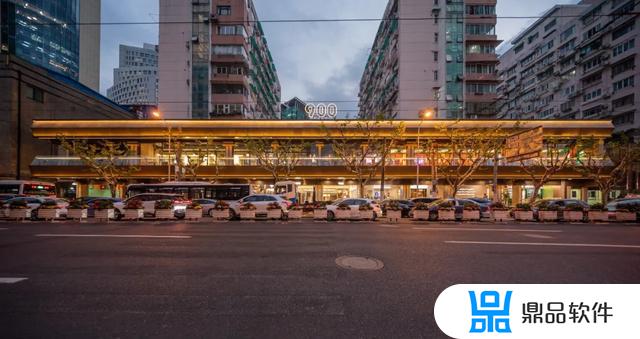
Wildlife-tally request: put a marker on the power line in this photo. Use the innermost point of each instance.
(123, 23)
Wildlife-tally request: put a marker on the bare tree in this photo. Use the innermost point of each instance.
(462, 151)
(278, 157)
(607, 164)
(555, 157)
(102, 157)
(190, 157)
(363, 146)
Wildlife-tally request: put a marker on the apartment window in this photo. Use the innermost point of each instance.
(481, 9)
(435, 75)
(481, 48)
(591, 32)
(626, 28)
(435, 2)
(591, 63)
(435, 37)
(624, 83)
(229, 89)
(626, 118)
(532, 38)
(435, 56)
(569, 90)
(623, 47)
(592, 79)
(593, 111)
(518, 48)
(624, 101)
(224, 10)
(480, 29)
(481, 88)
(592, 95)
(229, 50)
(230, 30)
(550, 25)
(34, 93)
(228, 109)
(481, 68)
(623, 66)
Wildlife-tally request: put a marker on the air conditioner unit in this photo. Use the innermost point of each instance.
(449, 58)
(449, 97)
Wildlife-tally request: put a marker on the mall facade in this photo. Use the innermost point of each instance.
(320, 175)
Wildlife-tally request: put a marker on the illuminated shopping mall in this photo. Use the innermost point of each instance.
(320, 174)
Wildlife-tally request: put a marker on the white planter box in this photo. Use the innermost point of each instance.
(343, 214)
(470, 215)
(294, 214)
(164, 214)
(77, 214)
(573, 215)
(221, 214)
(319, 214)
(366, 215)
(548, 215)
(49, 214)
(274, 214)
(134, 214)
(446, 215)
(626, 216)
(523, 215)
(247, 215)
(103, 214)
(193, 214)
(394, 216)
(20, 213)
(420, 215)
(598, 215)
(501, 215)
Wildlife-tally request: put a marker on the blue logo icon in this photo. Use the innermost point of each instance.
(491, 316)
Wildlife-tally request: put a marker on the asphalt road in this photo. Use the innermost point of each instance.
(275, 280)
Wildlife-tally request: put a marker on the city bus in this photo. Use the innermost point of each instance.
(194, 190)
(288, 190)
(27, 188)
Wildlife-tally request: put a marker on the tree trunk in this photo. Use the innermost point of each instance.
(360, 188)
(534, 196)
(454, 191)
(605, 195)
(112, 189)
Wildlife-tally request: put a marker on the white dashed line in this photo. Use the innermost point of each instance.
(11, 280)
(115, 236)
(389, 226)
(541, 244)
(3, 229)
(484, 229)
(538, 236)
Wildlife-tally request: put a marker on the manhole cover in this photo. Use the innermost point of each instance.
(359, 263)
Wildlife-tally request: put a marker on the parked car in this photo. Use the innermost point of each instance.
(260, 201)
(423, 200)
(559, 203)
(91, 200)
(458, 206)
(207, 206)
(149, 204)
(5, 197)
(33, 203)
(61, 204)
(484, 205)
(406, 207)
(625, 203)
(354, 204)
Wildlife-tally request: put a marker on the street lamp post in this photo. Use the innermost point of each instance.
(158, 116)
(425, 114)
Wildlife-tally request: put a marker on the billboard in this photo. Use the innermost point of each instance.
(524, 145)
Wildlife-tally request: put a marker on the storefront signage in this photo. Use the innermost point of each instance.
(524, 145)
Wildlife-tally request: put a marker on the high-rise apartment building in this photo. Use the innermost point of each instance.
(575, 62)
(47, 34)
(214, 62)
(135, 81)
(432, 54)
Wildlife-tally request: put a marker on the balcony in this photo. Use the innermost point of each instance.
(480, 19)
(237, 79)
(484, 77)
(481, 97)
(480, 37)
(230, 58)
(481, 57)
(229, 98)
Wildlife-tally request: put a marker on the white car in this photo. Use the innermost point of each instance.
(354, 204)
(261, 201)
(207, 206)
(149, 202)
(33, 203)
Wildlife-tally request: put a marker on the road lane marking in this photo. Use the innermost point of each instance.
(3, 229)
(115, 236)
(11, 280)
(389, 226)
(538, 236)
(484, 229)
(541, 244)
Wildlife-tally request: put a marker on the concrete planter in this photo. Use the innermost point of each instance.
(470, 215)
(274, 214)
(446, 215)
(524, 215)
(49, 214)
(77, 214)
(136, 214)
(221, 214)
(598, 215)
(343, 214)
(20, 214)
(501, 215)
(164, 214)
(420, 215)
(573, 215)
(247, 215)
(548, 215)
(294, 214)
(626, 216)
(319, 214)
(193, 214)
(104, 214)
(366, 215)
(394, 216)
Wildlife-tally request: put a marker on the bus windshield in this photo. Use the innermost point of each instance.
(204, 191)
